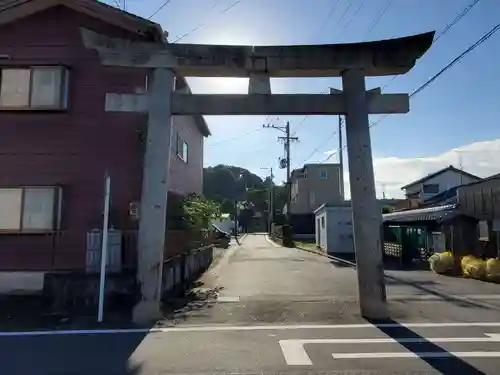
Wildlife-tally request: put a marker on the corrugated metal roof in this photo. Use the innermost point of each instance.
(436, 213)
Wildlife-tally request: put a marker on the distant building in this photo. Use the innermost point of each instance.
(314, 185)
(437, 182)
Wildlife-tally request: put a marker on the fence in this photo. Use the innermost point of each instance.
(181, 269)
(64, 250)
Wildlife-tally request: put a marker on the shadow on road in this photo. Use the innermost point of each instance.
(446, 364)
(196, 302)
(96, 354)
(420, 285)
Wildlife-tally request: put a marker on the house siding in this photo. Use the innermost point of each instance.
(445, 180)
(74, 148)
(187, 177)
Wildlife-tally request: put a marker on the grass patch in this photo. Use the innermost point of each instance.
(306, 245)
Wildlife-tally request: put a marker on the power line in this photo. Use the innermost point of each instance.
(480, 41)
(483, 39)
(444, 31)
(328, 16)
(300, 124)
(203, 24)
(457, 18)
(345, 12)
(378, 18)
(159, 9)
(234, 138)
(319, 147)
(353, 17)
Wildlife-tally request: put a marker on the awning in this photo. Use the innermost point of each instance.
(436, 213)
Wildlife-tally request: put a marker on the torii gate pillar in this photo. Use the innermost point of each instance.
(152, 222)
(365, 209)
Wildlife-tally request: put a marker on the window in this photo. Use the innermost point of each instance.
(431, 188)
(323, 175)
(182, 148)
(322, 221)
(34, 88)
(30, 209)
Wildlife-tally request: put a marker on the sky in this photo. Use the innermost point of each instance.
(455, 120)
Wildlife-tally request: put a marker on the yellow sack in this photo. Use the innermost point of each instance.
(447, 260)
(466, 260)
(476, 269)
(441, 263)
(493, 269)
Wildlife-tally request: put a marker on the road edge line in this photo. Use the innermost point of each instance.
(222, 328)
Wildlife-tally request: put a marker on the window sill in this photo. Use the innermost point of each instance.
(180, 157)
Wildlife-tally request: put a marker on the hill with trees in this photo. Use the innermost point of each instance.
(226, 184)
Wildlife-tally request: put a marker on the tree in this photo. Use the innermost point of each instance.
(227, 183)
(386, 209)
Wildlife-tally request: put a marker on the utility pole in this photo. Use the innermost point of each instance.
(341, 160)
(334, 91)
(459, 152)
(270, 205)
(285, 163)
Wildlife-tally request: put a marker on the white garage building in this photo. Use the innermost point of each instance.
(334, 231)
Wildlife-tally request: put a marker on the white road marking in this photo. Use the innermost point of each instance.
(296, 355)
(416, 355)
(228, 299)
(271, 241)
(226, 328)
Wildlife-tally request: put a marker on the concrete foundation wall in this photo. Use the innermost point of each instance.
(21, 283)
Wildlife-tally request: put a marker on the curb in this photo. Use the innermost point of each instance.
(339, 260)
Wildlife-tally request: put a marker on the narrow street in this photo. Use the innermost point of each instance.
(277, 310)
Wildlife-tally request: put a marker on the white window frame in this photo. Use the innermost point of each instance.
(63, 89)
(56, 215)
(181, 153)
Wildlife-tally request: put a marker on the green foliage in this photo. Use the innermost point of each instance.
(223, 184)
(386, 209)
(199, 212)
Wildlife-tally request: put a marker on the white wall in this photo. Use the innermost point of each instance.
(337, 235)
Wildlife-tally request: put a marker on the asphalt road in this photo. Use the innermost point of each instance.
(265, 309)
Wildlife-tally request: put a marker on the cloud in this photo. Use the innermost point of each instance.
(391, 173)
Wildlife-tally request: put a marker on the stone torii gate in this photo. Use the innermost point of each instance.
(353, 62)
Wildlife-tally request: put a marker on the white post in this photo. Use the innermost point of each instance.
(104, 246)
(367, 217)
